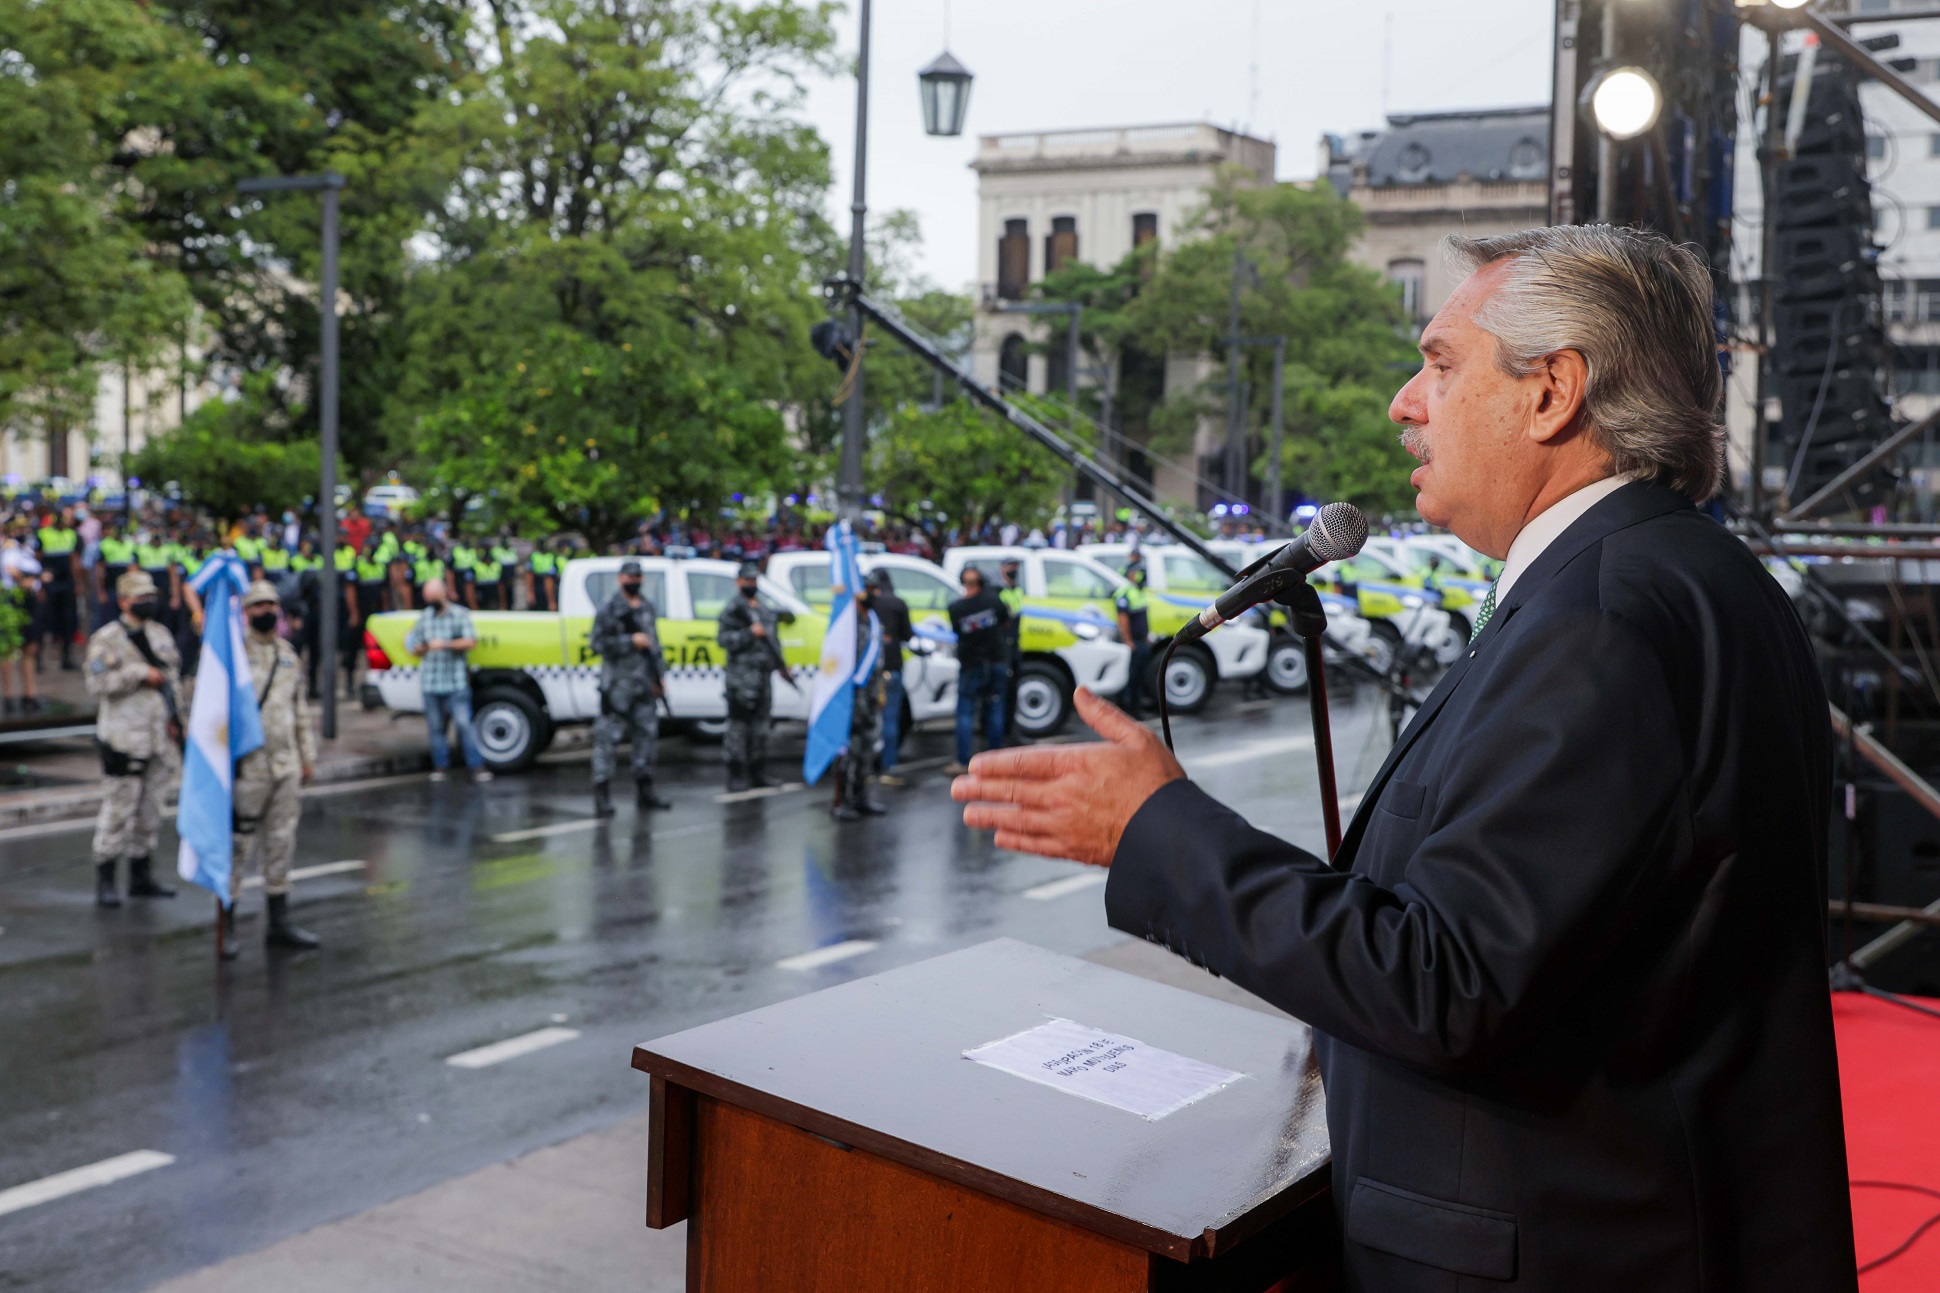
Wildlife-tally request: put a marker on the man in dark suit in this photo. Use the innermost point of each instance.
(1567, 972)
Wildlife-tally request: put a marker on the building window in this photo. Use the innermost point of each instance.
(1916, 370)
(1057, 365)
(1933, 217)
(1145, 228)
(1411, 276)
(1061, 244)
(1014, 364)
(1876, 147)
(1014, 260)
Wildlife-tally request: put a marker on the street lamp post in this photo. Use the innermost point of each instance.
(945, 88)
(848, 480)
(329, 184)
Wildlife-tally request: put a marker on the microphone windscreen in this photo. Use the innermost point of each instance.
(1338, 532)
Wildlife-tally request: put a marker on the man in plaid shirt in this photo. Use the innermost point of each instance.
(441, 639)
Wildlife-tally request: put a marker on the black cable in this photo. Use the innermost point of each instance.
(1898, 1000)
(1919, 1230)
(1165, 706)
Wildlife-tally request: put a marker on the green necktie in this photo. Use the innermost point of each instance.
(1482, 615)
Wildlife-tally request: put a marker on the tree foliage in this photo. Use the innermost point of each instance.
(77, 287)
(1346, 348)
(230, 456)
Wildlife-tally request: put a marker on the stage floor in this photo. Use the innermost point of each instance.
(1889, 1073)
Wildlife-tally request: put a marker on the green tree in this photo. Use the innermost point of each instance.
(230, 456)
(1346, 347)
(629, 173)
(962, 466)
(77, 287)
(582, 435)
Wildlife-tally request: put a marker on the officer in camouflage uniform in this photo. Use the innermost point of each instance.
(269, 780)
(630, 689)
(748, 634)
(865, 723)
(134, 671)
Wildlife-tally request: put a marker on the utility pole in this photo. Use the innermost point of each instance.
(329, 184)
(1275, 504)
(855, 427)
(1235, 423)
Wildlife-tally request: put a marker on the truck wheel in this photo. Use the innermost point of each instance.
(513, 731)
(708, 731)
(1043, 699)
(1286, 665)
(1189, 680)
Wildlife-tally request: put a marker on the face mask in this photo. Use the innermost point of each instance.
(749, 590)
(630, 587)
(143, 609)
(264, 623)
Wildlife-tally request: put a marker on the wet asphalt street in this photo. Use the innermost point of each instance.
(294, 1089)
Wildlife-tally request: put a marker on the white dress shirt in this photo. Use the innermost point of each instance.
(1547, 526)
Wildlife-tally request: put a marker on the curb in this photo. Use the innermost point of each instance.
(80, 804)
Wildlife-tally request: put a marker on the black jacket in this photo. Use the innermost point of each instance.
(1568, 970)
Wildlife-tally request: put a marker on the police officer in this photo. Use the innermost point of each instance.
(1012, 596)
(269, 780)
(133, 671)
(542, 573)
(865, 721)
(487, 575)
(507, 558)
(630, 689)
(748, 634)
(1135, 630)
(60, 560)
(117, 556)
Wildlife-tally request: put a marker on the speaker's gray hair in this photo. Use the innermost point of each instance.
(1638, 308)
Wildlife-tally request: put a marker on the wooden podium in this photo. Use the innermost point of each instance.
(842, 1142)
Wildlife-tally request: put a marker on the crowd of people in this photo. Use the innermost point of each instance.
(59, 562)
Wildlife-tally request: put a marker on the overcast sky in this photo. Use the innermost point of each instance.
(1066, 64)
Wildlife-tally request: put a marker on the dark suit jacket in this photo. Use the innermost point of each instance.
(1568, 970)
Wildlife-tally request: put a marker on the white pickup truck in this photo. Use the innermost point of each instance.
(535, 670)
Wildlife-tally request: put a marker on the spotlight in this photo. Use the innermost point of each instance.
(1625, 102)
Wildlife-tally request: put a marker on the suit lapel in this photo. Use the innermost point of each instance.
(1635, 502)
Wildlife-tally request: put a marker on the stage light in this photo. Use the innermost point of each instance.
(1626, 102)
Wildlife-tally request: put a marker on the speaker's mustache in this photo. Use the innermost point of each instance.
(1415, 441)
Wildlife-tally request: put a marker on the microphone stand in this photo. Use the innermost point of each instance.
(1309, 620)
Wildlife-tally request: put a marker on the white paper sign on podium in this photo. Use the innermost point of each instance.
(1105, 1067)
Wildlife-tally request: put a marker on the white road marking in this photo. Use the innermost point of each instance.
(62, 1184)
(511, 1048)
(829, 955)
(311, 872)
(759, 792)
(1250, 751)
(540, 832)
(1070, 884)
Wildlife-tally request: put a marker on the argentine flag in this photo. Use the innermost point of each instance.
(224, 725)
(833, 703)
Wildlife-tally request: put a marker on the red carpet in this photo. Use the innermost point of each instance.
(1889, 1073)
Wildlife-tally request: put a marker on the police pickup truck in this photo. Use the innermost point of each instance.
(1062, 649)
(533, 671)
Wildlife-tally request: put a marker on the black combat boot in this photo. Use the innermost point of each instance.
(602, 799)
(643, 796)
(280, 932)
(228, 946)
(758, 776)
(844, 813)
(866, 803)
(737, 776)
(105, 893)
(142, 884)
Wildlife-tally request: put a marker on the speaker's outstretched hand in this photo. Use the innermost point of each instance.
(1068, 801)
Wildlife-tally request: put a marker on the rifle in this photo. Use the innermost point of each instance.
(778, 663)
(656, 667)
(139, 640)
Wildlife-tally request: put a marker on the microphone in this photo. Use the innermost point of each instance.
(1338, 532)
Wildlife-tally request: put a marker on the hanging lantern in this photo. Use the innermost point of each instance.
(946, 95)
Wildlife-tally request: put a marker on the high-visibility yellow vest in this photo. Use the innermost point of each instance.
(56, 543)
(118, 552)
(275, 559)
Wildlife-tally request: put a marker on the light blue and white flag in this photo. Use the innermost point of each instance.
(224, 725)
(833, 704)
